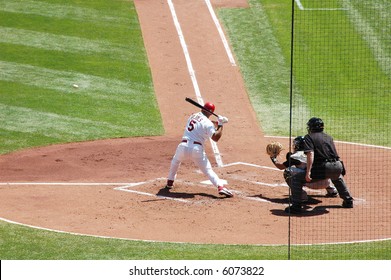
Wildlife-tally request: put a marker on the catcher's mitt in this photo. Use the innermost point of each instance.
(274, 149)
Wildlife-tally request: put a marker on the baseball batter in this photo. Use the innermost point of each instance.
(199, 129)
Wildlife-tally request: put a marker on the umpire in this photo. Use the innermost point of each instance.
(322, 162)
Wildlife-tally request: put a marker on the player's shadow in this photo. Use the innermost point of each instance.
(311, 200)
(307, 210)
(272, 199)
(328, 207)
(183, 195)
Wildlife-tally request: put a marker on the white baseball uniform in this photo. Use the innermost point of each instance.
(198, 129)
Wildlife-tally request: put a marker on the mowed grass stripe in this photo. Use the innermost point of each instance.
(52, 125)
(265, 70)
(61, 11)
(71, 44)
(335, 77)
(375, 42)
(63, 81)
(48, 46)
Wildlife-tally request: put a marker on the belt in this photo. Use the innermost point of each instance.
(195, 142)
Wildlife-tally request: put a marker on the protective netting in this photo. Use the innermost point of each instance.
(341, 73)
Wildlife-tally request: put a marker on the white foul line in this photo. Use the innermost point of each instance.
(342, 142)
(60, 184)
(126, 189)
(301, 7)
(251, 164)
(192, 74)
(221, 33)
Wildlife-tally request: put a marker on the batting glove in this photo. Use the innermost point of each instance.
(220, 121)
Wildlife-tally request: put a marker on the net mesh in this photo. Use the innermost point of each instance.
(341, 73)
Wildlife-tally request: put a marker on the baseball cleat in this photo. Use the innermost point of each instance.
(225, 191)
(169, 185)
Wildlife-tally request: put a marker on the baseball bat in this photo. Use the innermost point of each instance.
(195, 103)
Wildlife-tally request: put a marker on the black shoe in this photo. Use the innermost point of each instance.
(294, 209)
(347, 204)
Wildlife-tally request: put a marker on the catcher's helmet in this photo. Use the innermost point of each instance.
(298, 143)
(315, 125)
(209, 106)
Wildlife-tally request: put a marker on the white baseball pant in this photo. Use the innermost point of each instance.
(195, 152)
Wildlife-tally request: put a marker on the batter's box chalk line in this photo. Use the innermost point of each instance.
(128, 188)
(251, 165)
(207, 184)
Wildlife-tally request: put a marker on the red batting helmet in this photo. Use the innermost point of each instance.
(209, 106)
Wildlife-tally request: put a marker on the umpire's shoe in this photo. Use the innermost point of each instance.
(294, 209)
(347, 203)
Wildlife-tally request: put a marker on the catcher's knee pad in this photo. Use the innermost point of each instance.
(292, 171)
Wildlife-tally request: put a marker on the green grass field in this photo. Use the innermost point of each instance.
(344, 79)
(48, 46)
(20, 242)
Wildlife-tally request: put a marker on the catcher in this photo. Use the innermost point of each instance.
(298, 164)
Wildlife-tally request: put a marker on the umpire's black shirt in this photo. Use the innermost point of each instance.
(323, 147)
